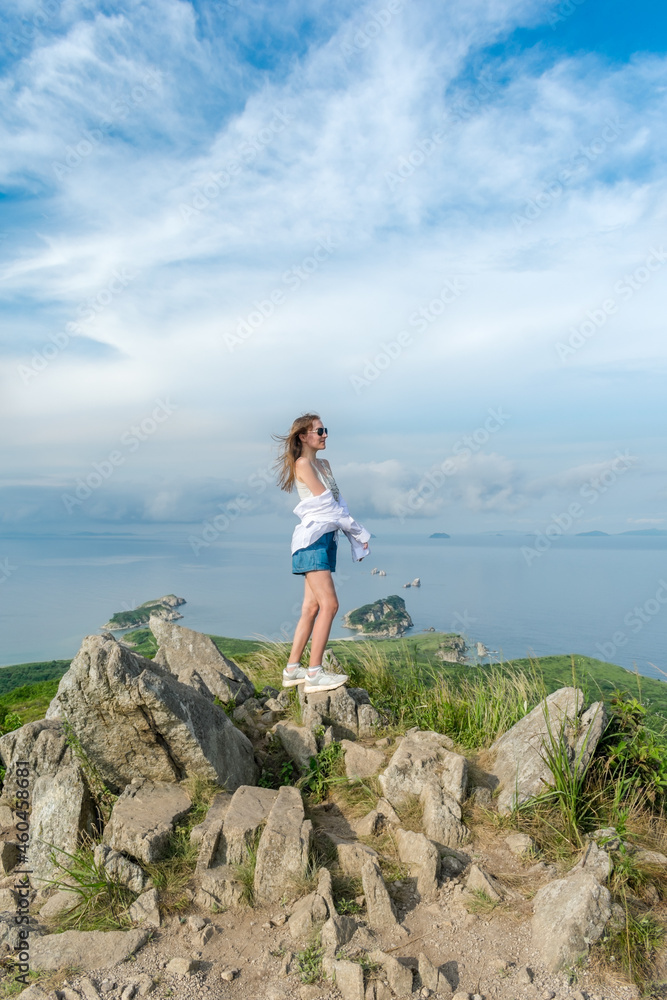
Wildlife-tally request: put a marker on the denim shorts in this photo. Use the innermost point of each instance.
(320, 555)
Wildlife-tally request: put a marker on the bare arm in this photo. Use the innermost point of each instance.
(306, 473)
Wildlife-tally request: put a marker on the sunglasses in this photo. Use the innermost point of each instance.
(320, 431)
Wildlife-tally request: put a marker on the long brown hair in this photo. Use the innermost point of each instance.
(291, 449)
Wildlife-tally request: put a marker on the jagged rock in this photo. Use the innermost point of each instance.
(520, 769)
(336, 933)
(299, 743)
(207, 833)
(360, 761)
(418, 758)
(348, 710)
(196, 660)
(520, 844)
(283, 847)
(63, 810)
(377, 990)
(275, 706)
(398, 976)
(431, 976)
(441, 818)
(481, 881)
(596, 861)
(569, 915)
(349, 978)
(43, 744)
(454, 775)
(121, 868)
(145, 909)
(309, 912)
(351, 854)
(134, 719)
(377, 820)
(85, 949)
(219, 888)
(592, 725)
(143, 817)
(247, 812)
(380, 910)
(416, 849)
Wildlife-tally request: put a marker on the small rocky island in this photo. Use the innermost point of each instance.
(162, 608)
(383, 618)
(439, 534)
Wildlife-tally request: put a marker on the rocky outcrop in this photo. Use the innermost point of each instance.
(381, 912)
(569, 915)
(520, 768)
(196, 660)
(134, 719)
(143, 818)
(421, 854)
(284, 846)
(347, 710)
(419, 758)
(298, 742)
(63, 809)
(360, 761)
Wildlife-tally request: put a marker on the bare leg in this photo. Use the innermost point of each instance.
(322, 587)
(304, 627)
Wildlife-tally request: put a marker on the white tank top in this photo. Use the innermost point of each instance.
(325, 478)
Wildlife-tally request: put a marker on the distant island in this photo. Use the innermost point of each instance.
(383, 618)
(439, 534)
(163, 608)
(589, 533)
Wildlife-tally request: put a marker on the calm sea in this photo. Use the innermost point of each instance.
(604, 597)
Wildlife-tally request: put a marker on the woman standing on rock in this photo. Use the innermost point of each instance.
(322, 512)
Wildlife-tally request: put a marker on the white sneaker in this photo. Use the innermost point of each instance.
(324, 682)
(293, 677)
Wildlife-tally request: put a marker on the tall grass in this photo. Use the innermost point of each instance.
(473, 710)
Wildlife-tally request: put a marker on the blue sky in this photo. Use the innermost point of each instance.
(218, 215)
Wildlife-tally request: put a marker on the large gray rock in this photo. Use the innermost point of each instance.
(248, 811)
(298, 742)
(569, 915)
(85, 949)
(196, 660)
(381, 913)
(120, 868)
(219, 888)
(348, 977)
(134, 719)
(352, 855)
(441, 819)
(309, 913)
(143, 818)
(284, 846)
(398, 976)
(419, 758)
(416, 850)
(360, 761)
(520, 769)
(63, 811)
(348, 710)
(207, 833)
(43, 744)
